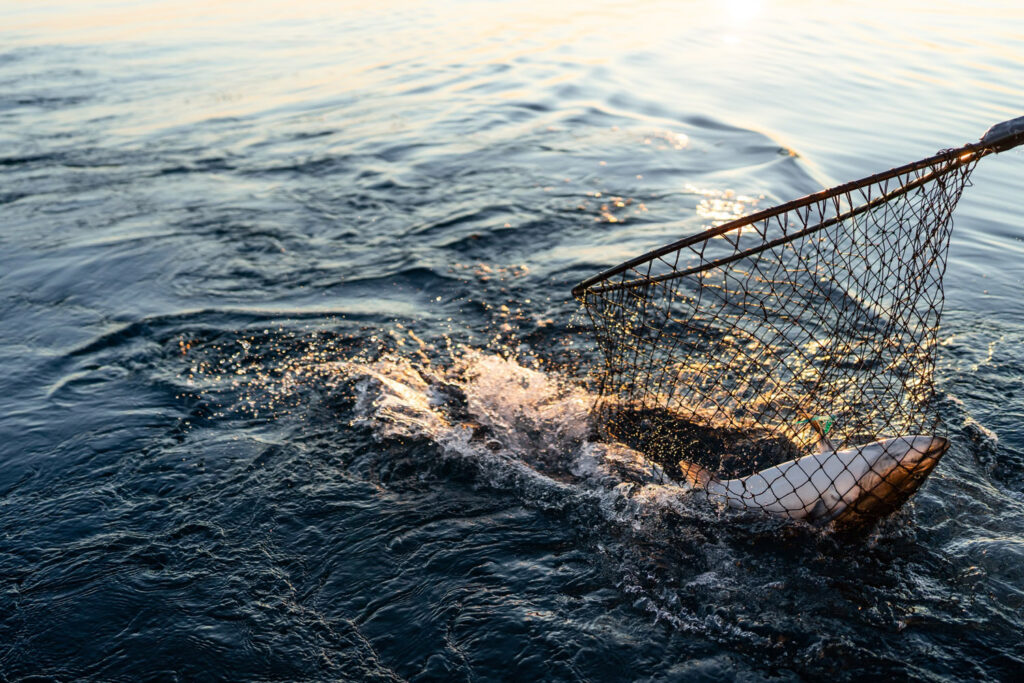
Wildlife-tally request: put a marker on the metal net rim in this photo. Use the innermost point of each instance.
(960, 156)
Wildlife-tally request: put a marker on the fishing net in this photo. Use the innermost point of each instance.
(806, 328)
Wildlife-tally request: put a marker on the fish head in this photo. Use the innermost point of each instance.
(909, 453)
(896, 469)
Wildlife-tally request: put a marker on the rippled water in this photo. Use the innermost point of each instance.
(291, 366)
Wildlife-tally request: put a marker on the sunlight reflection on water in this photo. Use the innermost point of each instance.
(206, 204)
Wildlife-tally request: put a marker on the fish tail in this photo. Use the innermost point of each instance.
(696, 476)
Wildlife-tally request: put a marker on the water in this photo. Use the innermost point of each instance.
(286, 323)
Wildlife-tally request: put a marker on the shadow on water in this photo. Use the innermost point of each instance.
(666, 439)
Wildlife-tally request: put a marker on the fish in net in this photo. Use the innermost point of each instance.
(783, 361)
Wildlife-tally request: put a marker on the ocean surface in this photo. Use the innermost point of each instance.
(252, 254)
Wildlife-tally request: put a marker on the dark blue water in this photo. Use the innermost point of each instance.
(291, 370)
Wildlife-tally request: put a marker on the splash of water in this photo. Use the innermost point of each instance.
(531, 433)
(516, 422)
(525, 431)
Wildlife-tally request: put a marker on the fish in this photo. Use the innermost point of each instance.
(845, 488)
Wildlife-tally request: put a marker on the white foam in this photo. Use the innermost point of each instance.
(511, 420)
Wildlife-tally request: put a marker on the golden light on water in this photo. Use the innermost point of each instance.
(298, 385)
(275, 54)
(721, 206)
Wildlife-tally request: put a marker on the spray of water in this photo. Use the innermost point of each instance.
(509, 419)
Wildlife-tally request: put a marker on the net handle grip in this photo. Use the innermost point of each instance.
(1005, 135)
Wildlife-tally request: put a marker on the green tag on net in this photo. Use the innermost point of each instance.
(826, 422)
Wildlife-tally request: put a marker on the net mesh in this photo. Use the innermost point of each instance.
(808, 330)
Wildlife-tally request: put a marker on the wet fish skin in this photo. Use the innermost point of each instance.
(845, 488)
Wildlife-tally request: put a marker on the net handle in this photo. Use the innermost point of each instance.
(998, 138)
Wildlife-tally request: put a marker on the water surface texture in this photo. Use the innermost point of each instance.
(294, 389)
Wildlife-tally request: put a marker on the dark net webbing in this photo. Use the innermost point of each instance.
(740, 347)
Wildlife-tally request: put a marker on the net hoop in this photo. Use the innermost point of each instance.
(792, 349)
(1008, 138)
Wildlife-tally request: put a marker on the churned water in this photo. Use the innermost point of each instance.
(292, 383)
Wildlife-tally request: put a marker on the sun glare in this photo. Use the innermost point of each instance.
(743, 10)
(739, 14)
